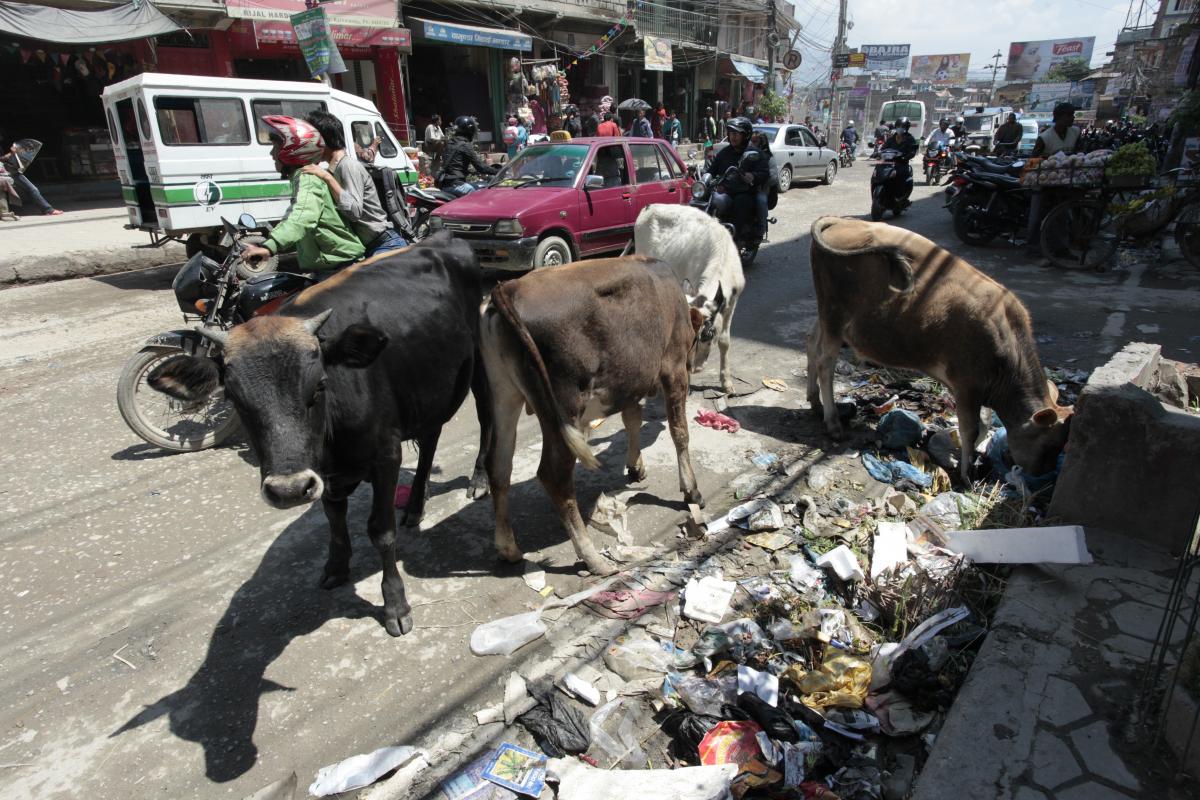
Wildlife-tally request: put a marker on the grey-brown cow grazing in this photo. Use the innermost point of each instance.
(578, 343)
(901, 301)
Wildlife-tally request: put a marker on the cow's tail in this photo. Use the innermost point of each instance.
(542, 393)
(897, 260)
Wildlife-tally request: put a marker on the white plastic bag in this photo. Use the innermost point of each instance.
(617, 738)
(501, 637)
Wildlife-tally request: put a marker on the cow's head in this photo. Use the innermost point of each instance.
(274, 372)
(707, 317)
(1035, 443)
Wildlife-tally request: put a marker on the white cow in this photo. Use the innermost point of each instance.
(705, 259)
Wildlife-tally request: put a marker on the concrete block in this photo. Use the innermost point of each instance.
(1131, 462)
(1178, 729)
(1169, 385)
(1092, 744)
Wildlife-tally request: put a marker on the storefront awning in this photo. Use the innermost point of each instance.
(60, 26)
(749, 70)
(471, 36)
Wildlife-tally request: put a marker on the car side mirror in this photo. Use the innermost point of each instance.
(593, 182)
(823, 142)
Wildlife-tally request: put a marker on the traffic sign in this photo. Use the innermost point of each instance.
(792, 59)
(841, 60)
(858, 59)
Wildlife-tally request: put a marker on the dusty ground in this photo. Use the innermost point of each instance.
(239, 669)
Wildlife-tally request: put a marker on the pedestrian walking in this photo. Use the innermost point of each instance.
(608, 127)
(15, 161)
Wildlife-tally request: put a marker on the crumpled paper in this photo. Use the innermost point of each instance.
(842, 682)
(361, 770)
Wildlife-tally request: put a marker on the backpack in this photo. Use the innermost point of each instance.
(392, 198)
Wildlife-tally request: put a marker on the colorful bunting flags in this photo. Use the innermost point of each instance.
(599, 44)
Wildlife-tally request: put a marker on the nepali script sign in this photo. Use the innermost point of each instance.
(316, 42)
(361, 13)
(886, 56)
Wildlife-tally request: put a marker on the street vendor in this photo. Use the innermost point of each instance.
(1062, 136)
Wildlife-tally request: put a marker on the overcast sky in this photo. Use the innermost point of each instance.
(980, 27)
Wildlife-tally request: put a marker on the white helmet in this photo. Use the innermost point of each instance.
(850, 124)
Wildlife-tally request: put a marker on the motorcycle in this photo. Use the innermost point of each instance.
(846, 155)
(704, 188)
(937, 161)
(885, 195)
(991, 204)
(219, 296)
(963, 164)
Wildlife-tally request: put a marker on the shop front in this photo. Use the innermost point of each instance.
(462, 70)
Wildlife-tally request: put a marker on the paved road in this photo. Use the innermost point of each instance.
(161, 629)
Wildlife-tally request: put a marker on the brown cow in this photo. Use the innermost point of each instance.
(575, 344)
(900, 300)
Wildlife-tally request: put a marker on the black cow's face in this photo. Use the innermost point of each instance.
(275, 375)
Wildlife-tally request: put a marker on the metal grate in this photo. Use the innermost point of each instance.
(674, 22)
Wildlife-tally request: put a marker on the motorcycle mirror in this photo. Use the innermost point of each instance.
(247, 221)
(751, 157)
(823, 143)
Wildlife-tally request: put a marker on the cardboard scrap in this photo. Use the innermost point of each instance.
(1064, 544)
(890, 547)
(770, 541)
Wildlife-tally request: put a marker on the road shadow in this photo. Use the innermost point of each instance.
(218, 707)
(149, 279)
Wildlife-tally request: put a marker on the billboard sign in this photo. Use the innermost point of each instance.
(657, 53)
(943, 70)
(1030, 61)
(1043, 97)
(316, 42)
(361, 13)
(886, 56)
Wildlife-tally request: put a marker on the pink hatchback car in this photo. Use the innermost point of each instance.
(556, 202)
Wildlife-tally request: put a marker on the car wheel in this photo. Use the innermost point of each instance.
(830, 173)
(553, 251)
(785, 179)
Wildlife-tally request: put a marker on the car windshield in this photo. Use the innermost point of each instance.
(769, 130)
(541, 164)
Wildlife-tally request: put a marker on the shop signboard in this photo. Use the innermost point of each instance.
(886, 57)
(858, 59)
(343, 35)
(841, 60)
(1030, 61)
(471, 36)
(361, 13)
(948, 69)
(657, 52)
(316, 42)
(1043, 97)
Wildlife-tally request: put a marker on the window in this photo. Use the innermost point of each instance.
(112, 128)
(201, 120)
(286, 108)
(793, 138)
(667, 165)
(362, 134)
(645, 163)
(143, 121)
(610, 164)
(546, 164)
(387, 148)
(809, 139)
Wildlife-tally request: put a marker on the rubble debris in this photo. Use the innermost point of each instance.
(362, 770)
(516, 698)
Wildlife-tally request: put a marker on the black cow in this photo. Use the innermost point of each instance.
(329, 387)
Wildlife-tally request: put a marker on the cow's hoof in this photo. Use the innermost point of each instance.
(478, 488)
(333, 578)
(513, 556)
(600, 566)
(694, 498)
(636, 474)
(398, 627)
(412, 517)
(815, 407)
(835, 431)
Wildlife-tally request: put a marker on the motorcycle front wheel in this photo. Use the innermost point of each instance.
(164, 421)
(968, 223)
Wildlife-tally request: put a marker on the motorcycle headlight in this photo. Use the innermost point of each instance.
(508, 227)
(699, 190)
(436, 223)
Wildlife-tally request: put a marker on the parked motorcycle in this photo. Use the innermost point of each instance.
(704, 189)
(218, 296)
(888, 191)
(991, 204)
(846, 155)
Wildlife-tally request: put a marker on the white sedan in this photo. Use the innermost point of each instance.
(798, 154)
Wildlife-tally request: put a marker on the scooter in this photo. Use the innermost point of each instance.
(888, 191)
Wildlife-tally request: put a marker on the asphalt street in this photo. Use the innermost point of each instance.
(162, 633)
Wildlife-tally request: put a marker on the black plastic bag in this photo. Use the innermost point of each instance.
(687, 730)
(775, 721)
(557, 726)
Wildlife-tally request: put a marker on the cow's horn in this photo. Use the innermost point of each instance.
(213, 334)
(313, 324)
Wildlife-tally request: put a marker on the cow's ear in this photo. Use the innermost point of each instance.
(187, 378)
(1045, 417)
(357, 346)
(697, 318)
(1053, 392)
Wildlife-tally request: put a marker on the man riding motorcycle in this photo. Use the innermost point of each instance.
(959, 129)
(460, 157)
(941, 136)
(903, 142)
(850, 137)
(737, 202)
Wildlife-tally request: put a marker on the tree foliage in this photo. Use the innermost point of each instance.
(772, 106)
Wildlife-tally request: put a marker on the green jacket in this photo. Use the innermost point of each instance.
(314, 228)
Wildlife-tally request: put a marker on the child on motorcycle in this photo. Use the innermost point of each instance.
(763, 199)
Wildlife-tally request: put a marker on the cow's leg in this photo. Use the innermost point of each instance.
(635, 468)
(335, 502)
(557, 474)
(426, 448)
(814, 386)
(824, 348)
(381, 526)
(675, 392)
(483, 410)
(507, 402)
(968, 408)
(723, 339)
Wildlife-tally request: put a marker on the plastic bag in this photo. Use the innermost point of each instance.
(614, 730)
(741, 637)
(705, 696)
(688, 730)
(777, 723)
(841, 681)
(636, 656)
(899, 429)
(505, 635)
(556, 725)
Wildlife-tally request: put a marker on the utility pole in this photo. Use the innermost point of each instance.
(995, 67)
(839, 47)
(772, 44)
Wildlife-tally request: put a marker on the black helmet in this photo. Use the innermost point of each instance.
(741, 125)
(904, 123)
(465, 127)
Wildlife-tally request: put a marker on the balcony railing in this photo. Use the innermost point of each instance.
(672, 21)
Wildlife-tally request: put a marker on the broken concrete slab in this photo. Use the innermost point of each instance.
(1131, 461)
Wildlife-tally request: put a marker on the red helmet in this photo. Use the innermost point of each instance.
(302, 144)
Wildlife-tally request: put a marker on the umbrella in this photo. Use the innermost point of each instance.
(633, 104)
